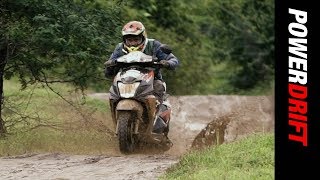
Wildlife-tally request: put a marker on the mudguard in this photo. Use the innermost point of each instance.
(129, 105)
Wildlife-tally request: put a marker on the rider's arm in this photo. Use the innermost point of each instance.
(172, 59)
(112, 70)
(117, 52)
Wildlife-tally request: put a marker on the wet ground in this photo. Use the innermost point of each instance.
(59, 166)
(197, 121)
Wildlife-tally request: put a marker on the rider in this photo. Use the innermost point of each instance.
(135, 39)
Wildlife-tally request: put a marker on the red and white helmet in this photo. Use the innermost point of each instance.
(134, 28)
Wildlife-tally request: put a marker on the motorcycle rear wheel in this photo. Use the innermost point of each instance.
(125, 132)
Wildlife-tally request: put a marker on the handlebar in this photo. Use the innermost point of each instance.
(152, 64)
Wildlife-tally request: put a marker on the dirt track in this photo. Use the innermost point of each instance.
(197, 121)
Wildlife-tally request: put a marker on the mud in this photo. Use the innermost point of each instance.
(59, 166)
(197, 122)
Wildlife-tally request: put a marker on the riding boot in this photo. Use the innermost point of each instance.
(161, 124)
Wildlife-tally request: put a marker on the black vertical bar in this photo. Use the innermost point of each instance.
(292, 159)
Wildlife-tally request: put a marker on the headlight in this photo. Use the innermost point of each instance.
(128, 90)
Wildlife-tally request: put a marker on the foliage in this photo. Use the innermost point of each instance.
(243, 32)
(56, 41)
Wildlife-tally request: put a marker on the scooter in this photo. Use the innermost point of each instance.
(138, 116)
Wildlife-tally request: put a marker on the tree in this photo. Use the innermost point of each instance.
(55, 41)
(243, 33)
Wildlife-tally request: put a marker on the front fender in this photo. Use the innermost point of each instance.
(129, 105)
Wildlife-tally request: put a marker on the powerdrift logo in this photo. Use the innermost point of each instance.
(297, 86)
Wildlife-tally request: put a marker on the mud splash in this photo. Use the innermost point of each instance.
(200, 121)
(213, 134)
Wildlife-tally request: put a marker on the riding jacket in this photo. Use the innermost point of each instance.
(152, 48)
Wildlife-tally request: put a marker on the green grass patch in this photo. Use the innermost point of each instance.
(249, 158)
(99, 105)
(40, 120)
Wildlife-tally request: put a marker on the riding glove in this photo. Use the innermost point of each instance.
(165, 63)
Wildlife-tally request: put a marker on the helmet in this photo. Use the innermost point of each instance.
(134, 29)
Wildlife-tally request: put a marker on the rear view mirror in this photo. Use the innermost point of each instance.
(166, 49)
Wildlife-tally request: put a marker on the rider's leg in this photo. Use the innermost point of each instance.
(164, 107)
(159, 90)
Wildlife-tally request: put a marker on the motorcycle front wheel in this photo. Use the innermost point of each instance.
(125, 132)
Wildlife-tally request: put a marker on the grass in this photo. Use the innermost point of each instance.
(250, 158)
(39, 120)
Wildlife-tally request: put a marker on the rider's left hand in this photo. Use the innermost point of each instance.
(164, 63)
